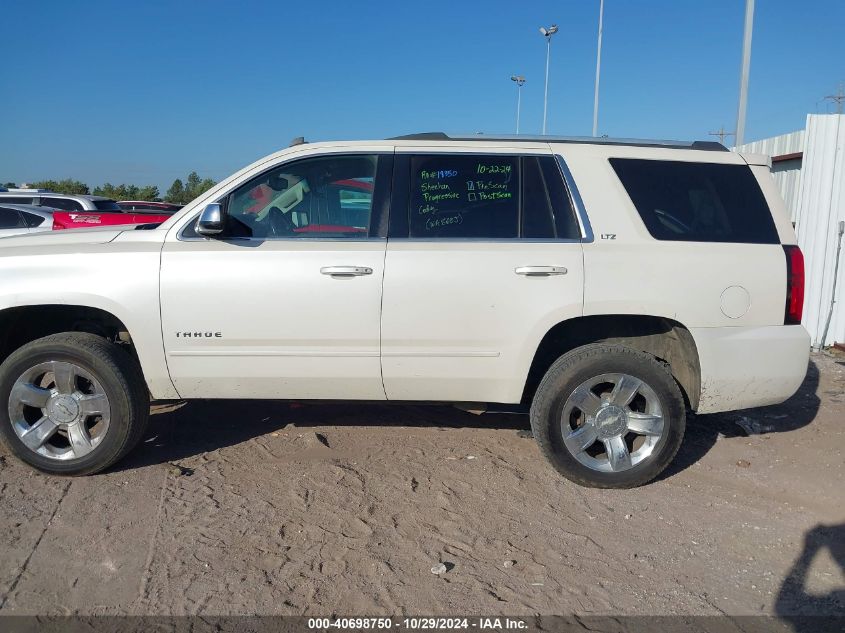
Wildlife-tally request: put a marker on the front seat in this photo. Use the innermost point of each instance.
(280, 222)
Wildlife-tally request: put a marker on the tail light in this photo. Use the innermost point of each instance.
(794, 285)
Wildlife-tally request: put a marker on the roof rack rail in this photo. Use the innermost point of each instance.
(710, 146)
(422, 136)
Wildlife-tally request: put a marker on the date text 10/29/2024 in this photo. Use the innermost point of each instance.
(417, 624)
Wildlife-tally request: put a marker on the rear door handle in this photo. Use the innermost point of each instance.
(346, 271)
(540, 271)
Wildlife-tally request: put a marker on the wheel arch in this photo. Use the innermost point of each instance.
(20, 325)
(666, 339)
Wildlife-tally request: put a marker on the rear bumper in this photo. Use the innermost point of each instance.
(743, 367)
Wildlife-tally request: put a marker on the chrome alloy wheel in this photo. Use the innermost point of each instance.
(59, 410)
(612, 422)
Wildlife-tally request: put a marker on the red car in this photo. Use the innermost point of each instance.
(134, 212)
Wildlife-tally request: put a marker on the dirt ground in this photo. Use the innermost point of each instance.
(278, 508)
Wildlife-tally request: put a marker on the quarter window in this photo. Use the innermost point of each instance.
(32, 220)
(697, 202)
(324, 197)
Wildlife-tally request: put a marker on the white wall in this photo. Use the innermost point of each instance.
(787, 174)
(814, 191)
(821, 206)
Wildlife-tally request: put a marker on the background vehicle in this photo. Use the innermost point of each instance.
(20, 219)
(609, 285)
(63, 201)
(87, 219)
(83, 211)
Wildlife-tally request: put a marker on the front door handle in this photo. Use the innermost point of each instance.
(346, 271)
(540, 271)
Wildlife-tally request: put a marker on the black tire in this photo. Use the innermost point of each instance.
(588, 362)
(121, 379)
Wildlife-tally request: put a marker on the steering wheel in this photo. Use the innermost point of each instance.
(280, 222)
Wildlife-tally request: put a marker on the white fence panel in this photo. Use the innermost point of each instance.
(821, 206)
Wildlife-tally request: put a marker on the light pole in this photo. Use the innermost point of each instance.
(520, 81)
(598, 73)
(547, 33)
(743, 78)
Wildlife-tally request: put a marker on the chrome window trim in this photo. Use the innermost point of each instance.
(306, 240)
(491, 240)
(200, 238)
(577, 201)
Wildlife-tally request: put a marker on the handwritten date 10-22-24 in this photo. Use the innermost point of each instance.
(493, 169)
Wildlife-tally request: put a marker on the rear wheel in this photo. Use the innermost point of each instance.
(73, 403)
(607, 416)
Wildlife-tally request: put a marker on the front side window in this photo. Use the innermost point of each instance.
(10, 219)
(322, 197)
(697, 202)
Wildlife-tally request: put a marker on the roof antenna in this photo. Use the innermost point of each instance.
(299, 140)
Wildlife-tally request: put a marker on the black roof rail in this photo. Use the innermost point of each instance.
(709, 146)
(422, 136)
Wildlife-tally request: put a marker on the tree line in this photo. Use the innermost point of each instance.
(178, 193)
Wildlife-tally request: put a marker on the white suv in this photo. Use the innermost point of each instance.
(610, 285)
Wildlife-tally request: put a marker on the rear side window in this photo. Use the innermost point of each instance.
(546, 207)
(64, 204)
(10, 219)
(697, 202)
(465, 196)
(14, 200)
(489, 196)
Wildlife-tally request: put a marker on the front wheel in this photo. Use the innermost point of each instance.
(71, 403)
(607, 416)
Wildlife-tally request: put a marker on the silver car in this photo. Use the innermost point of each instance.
(60, 201)
(21, 219)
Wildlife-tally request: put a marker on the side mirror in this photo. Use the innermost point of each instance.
(211, 221)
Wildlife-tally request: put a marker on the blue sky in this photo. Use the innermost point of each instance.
(145, 92)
